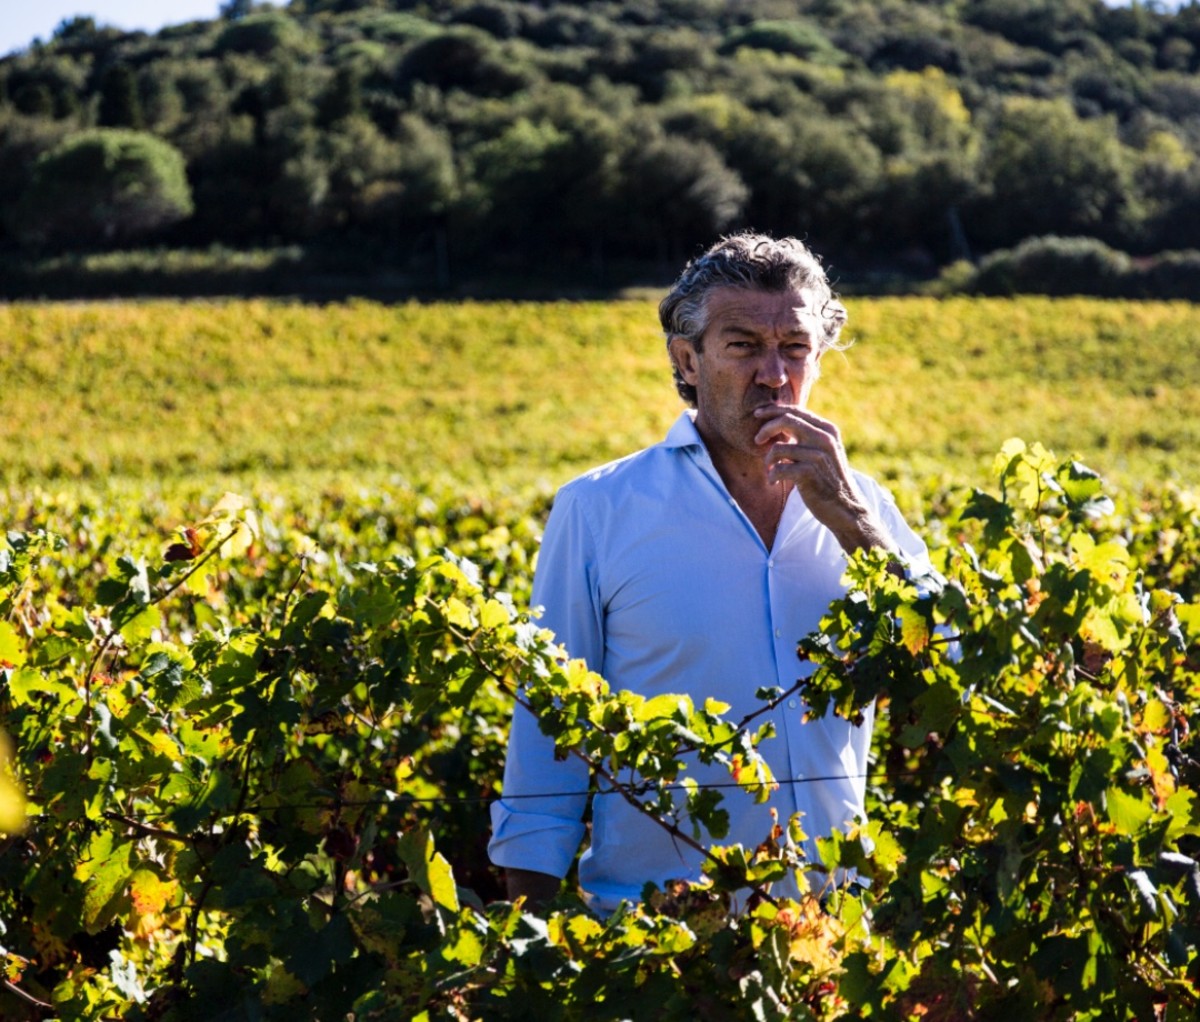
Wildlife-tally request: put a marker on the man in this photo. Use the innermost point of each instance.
(695, 565)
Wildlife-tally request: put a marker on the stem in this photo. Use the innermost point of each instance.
(87, 693)
(287, 599)
(768, 706)
(187, 951)
(111, 636)
(144, 830)
(209, 554)
(670, 828)
(625, 791)
(16, 991)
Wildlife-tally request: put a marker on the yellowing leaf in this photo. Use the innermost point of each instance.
(243, 536)
(914, 630)
(228, 506)
(12, 648)
(493, 614)
(458, 613)
(1108, 562)
(581, 679)
(12, 800)
(164, 745)
(1012, 448)
(573, 932)
(1156, 716)
(665, 705)
(149, 893)
(404, 770)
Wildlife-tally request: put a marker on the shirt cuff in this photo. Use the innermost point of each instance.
(534, 841)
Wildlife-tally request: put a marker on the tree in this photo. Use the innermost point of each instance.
(461, 59)
(1052, 173)
(235, 10)
(678, 194)
(261, 34)
(22, 141)
(120, 105)
(105, 186)
(343, 98)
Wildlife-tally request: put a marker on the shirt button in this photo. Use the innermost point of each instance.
(778, 632)
(771, 563)
(791, 704)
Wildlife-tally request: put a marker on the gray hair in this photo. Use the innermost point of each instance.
(753, 262)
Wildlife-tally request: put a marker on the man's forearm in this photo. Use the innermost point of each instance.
(536, 888)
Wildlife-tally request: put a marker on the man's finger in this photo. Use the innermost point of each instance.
(795, 423)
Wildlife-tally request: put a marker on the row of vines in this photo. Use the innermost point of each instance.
(256, 749)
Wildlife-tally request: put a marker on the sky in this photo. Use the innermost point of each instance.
(22, 21)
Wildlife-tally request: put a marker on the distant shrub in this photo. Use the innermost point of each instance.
(1054, 266)
(461, 59)
(799, 38)
(105, 186)
(501, 20)
(393, 26)
(260, 34)
(956, 278)
(1171, 275)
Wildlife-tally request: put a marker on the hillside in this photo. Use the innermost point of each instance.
(599, 143)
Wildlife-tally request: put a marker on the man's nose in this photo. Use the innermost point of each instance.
(772, 370)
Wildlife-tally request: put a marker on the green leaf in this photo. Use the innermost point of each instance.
(165, 674)
(428, 868)
(306, 610)
(315, 955)
(106, 882)
(25, 681)
(1084, 490)
(1128, 813)
(137, 623)
(465, 947)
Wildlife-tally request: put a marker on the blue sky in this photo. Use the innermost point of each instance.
(22, 21)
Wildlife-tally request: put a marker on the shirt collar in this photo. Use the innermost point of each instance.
(684, 433)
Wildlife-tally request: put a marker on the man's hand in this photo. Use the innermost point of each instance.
(536, 888)
(807, 452)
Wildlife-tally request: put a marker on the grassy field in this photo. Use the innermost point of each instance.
(245, 391)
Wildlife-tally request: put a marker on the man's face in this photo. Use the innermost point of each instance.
(760, 348)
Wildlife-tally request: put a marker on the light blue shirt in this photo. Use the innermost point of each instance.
(651, 573)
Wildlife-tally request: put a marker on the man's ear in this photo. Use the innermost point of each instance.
(684, 355)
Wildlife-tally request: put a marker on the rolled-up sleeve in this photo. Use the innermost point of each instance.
(538, 822)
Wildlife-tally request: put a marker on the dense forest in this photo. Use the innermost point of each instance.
(438, 137)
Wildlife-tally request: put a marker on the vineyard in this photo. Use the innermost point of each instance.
(255, 733)
(477, 394)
